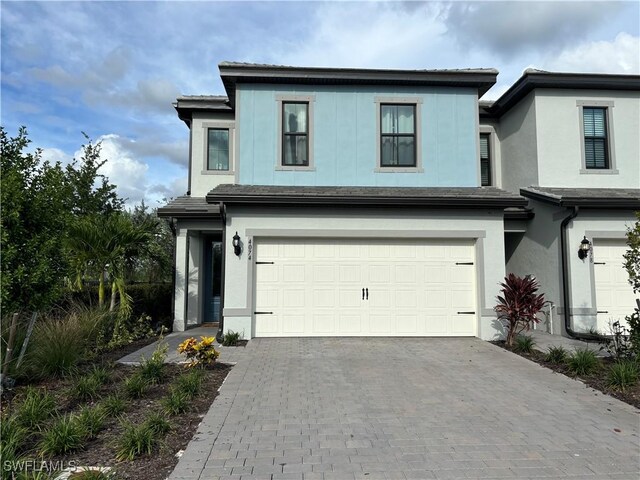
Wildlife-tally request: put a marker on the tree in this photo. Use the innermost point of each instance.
(35, 212)
(519, 304)
(40, 201)
(632, 256)
(104, 246)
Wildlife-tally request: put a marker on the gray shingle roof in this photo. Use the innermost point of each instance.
(189, 207)
(627, 198)
(467, 197)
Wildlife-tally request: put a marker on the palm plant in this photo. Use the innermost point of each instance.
(518, 305)
(104, 246)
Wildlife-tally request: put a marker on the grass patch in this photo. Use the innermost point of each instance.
(135, 440)
(583, 362)
(100, 374)
(157, 423)
(64, 435)
(13, 435)
(524, 344)
(556, 355)
(135, 386)
(230, 339)
(153, 369)
(86, 387)
(175, 403)
(91, 421)
(113, 405)
(36, 408)
(623, 374)
(190, 383)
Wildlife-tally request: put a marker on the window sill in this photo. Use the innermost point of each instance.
(301, 168)
(216, 172)
(596, 171)
(399, 170)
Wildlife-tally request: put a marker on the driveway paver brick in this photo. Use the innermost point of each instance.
(398, 409)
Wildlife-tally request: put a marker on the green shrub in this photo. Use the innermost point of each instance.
(231, 339)
(91, 421)
(157, 423)
(94, 475)
(556, 355)
(86, 387)
(113, 405)
(36, 408)
(134, 441)
(64, 435)
(175, 403)
(623, 374)
(13, 435)
(633, 321)
(583, 362)
(153, 369)
(101, 374)
(524, 344)
(135, 386)
(190, 383)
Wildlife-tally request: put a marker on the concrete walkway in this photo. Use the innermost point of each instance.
(545, 340)
(369, 408)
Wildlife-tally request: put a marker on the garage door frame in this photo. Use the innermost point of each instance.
(255, 234)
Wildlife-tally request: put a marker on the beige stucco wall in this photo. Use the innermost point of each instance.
(376, 223)
(559, 142)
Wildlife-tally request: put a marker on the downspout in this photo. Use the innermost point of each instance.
(566, 294)
(223, 217)
(174, 232)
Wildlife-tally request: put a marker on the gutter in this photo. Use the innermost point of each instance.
(566, 293)
(174, 232)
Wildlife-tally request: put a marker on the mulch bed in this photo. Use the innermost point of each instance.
(597, 380)
(102, 450)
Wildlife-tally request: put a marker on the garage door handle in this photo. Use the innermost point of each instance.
(367, 293)
(466, 313)
(464, 263)
(599, 263)
(263, 313)
(602, 311)
(363, 293)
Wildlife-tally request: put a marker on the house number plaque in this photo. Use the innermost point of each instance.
(249, 248)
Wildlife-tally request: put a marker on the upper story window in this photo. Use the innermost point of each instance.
(397, 135)
(295, 134)
(485, 159)
(218, 149)
(596, 144)
(596, 136)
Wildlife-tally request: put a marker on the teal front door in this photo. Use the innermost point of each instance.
(213, 280)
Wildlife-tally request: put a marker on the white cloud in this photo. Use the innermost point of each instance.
(622, 55)
(54, 155)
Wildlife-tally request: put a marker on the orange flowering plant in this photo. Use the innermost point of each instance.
(199, 353)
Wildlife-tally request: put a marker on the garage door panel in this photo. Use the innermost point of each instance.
(414, 287)
(614, 296)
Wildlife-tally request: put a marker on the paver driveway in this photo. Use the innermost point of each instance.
(372, 408)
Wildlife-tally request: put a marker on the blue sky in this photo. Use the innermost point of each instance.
(112, 69)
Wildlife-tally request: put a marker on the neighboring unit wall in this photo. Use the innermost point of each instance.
(517, 137)
(353, 222)
(537, 253)
(344, 130)
(560, 142)
(203, 180)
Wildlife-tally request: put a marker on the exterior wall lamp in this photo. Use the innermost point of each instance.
(585, 248)
(237, 249)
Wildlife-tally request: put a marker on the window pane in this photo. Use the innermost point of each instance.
(389, 146)
(295, 117)
(594, 122)
(595, 153)
(406, 152)
(484, 146)
(295, 150)
(485, 161)
(397, 118)
(218, 149)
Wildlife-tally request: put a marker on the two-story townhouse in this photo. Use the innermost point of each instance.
(339, 202)
(570, 144)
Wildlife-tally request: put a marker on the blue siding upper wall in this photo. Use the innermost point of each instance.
(344, 131)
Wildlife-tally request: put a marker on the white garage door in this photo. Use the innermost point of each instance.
(614, 296)
(363, 287)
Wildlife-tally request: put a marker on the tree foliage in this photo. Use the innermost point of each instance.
(632, 256)
(40, 200)
(155, 263)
